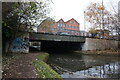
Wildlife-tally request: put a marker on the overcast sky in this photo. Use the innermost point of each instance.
(67, 9)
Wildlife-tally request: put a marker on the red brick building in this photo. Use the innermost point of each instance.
(71, 27)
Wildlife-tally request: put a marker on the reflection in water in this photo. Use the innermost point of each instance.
(85, 66)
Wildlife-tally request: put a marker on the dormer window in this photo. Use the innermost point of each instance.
(74, 22)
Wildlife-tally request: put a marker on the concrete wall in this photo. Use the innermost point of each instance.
(20, 44)
(100, 44)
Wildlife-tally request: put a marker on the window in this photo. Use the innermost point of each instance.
(53, 29)
(75, 27)
(58, 29)
(53, 24)
(65, 30)
(58, 24)
(61, 24)
(71, 22)
(61, 29)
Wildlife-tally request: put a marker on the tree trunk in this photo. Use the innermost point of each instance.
(9, 47)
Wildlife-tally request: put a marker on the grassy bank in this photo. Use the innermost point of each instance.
(44, 70)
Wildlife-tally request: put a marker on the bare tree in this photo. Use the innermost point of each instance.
(100, 18)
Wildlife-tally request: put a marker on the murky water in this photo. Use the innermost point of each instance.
(70, 65)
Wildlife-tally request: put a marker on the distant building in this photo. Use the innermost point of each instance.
(71, 27)
(46, 26)
(83, 33)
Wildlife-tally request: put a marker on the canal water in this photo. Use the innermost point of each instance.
(74, 65)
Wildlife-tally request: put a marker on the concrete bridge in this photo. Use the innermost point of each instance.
(54, 37)
(57, 42)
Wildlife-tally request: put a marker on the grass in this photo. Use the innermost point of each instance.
(43, 57)
(43, 69)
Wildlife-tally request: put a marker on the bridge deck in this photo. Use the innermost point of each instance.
(53, 37)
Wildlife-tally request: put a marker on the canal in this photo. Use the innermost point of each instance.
(74, 65)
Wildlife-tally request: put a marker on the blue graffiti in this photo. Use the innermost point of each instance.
(20, 44)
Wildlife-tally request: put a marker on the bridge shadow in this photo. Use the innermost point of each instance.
(59, 46)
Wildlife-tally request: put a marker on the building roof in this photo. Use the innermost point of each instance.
(67, 21)
(61, 20)
(71, 20)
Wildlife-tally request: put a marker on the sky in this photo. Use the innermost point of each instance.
(68, 9)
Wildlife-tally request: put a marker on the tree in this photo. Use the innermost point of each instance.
(93, 32)
(21, 16)
(100, 18)
(115, 18)
(94, 14)
(116, 25)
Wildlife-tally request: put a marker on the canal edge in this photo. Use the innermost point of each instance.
(43, 69)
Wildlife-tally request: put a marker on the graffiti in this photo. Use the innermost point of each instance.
(20, 45)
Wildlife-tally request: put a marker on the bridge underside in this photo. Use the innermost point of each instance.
(59, 46)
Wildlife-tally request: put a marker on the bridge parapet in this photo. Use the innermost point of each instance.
(53, 37)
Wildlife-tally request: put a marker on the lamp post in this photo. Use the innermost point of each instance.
(102, 25)
(118, 29)
(84, 24)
